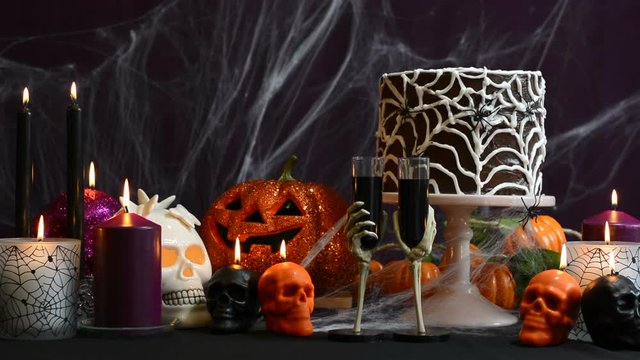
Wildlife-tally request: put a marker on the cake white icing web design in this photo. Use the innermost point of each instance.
(483, 130)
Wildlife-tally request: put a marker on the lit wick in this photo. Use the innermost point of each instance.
(607, 233)
(25, 97)
(125, 196)
(614, 200)
(563, 257)
(41, 228)
(612, 263)
(92, 176)
(237, 252)
(283, 251)
(74, 92)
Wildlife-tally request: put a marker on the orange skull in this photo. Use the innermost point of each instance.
(287, 297)
(549, 308)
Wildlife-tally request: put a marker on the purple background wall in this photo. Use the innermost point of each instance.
(188, 97)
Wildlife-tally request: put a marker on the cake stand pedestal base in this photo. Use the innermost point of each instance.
(457, 303)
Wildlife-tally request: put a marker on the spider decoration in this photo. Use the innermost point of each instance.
(406, 112)
(530, 111)
(533, 211)
(479, 116)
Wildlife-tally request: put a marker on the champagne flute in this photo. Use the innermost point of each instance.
(413, 202)
(367, 188)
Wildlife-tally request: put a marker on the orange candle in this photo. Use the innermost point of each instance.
(286, 295)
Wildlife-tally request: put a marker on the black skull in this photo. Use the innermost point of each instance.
(232, 299)
(611, 311)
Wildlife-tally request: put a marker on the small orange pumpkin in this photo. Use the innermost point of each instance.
(496, 284)
(541, 231)
(396, 276)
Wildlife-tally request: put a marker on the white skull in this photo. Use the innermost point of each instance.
(185, 263)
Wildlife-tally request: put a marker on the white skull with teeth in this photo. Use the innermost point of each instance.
(185, 263)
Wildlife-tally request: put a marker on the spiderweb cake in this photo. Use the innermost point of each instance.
(483, 130)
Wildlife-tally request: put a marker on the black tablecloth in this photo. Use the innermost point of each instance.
(199, 344)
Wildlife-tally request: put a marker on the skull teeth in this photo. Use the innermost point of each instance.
(184, 297)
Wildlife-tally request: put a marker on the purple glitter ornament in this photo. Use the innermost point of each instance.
(98, 207)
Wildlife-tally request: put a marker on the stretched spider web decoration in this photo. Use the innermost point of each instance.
(587, 263)
(483, 130)
(38, 291)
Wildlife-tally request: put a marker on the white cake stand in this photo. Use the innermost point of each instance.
(458, 302)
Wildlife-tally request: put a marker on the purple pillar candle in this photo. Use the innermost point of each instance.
(128, 272)
(623, 226)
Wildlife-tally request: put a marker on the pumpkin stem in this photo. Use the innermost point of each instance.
(288, 168)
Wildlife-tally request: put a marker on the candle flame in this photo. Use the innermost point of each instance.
(41, 228)
(612, 262)
(614, 199)
(563, 257)
(125, 195)
(283, 251)
(607, 233)
(92, 175)
(25, 97)
(237, 251)
(74, 92)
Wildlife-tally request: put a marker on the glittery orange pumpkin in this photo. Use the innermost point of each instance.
(262, 213)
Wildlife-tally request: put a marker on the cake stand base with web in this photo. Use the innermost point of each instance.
(457, 303)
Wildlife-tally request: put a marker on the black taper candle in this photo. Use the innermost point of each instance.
(75, 177)
(23, 169)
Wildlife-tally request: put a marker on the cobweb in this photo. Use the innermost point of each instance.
(38, 285)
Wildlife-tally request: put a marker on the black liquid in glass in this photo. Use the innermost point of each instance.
(368, 189)
(414, 208)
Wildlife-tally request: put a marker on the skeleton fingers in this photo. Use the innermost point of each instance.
(426, 243)
(356, 231)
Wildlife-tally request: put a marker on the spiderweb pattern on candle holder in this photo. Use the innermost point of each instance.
(37, 293)
(586, 265)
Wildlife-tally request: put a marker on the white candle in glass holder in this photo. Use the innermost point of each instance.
(589, 260)
(38, 287)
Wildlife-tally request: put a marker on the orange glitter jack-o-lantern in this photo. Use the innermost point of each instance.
(262, 213)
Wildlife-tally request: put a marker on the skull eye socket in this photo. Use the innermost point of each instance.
(290, 290)
(234, 205)
(289, 208)
(530, 296)
(195, 254)
(169, 256)
(308, 290)
(237, 292)
(627, 302)
(552, 303)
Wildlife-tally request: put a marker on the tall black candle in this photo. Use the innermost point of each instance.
(75, 178)
(23, 168)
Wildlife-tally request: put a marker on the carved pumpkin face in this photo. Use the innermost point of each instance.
(262, 213)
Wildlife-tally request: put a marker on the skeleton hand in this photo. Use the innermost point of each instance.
(356, 231)
(424, 246)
